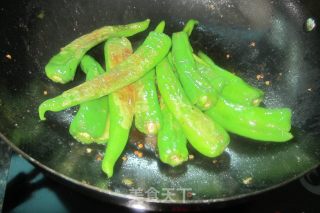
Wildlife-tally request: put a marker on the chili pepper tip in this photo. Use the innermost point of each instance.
(42, 110)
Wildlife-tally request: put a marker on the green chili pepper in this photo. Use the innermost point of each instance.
(147, 108)
(204, 135)
(147, 56)
(172, 143)
(215, 80)
(90, 121)
(188, 28)
(160, 27)
(170, 60)
(197, 88)
(62, 67)
(120, 105)
(253, 122)
(103, 139)
(236, 91)
(234, 88)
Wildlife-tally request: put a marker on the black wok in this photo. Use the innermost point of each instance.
(247, 37)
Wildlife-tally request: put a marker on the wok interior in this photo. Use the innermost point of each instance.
(283, 52)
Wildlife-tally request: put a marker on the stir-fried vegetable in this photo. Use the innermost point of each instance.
(200, 101)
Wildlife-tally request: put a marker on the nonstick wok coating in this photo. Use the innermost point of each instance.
(247, 37)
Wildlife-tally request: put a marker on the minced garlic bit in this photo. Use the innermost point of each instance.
(310, 89)
(260, 76)
(215, 161)
(45, 92)
(140, 145)
(124, 158)
(138, 154)
(252, 44)
(191, 157)
(8, 56)
(247, 180)
(88, 150)
(99, 157)
(267, 83)
(228, 56)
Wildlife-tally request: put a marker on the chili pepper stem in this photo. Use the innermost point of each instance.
(188, 28)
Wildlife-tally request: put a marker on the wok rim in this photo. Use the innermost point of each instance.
(143, 199)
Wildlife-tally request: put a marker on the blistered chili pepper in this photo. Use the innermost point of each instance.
(234, 88)
(206, 136)
(257, 123)
(198, 88)
(90, 122)
(146, 57)
(147, 108)
(62, 67)
(171, 143)
(120, 105)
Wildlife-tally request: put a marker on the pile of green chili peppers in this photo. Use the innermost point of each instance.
(166, 89)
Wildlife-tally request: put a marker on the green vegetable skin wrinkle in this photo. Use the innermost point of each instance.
(146, 57)
(62, 67)
(89, 124)
(197, 88)
(172, 143)
(147, 108)
(205, 136)
(230, 86)
(257, 123)
(120, 105)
